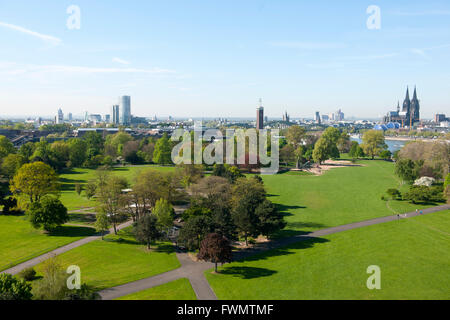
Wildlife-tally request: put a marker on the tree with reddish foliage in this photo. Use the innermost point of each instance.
(215, 248)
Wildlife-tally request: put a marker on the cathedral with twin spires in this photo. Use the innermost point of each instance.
(408, 114)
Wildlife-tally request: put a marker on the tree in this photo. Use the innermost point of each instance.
(6, 147)
(146, 231)
(77, 152)
(91, 189)
(34, 180)
(12, 288)
(164, 213)
(385, 154)
(53, 284)
(194, 231)
(215, 248)
(326, 147)
(11, 164)
(163, 151)
(109, 195)
(447, 186)
(394, 193)
(287, 154)
(101, 223)
(405, 169)
(356, 151)
(295, 136)
(270, 219)
(373, 143)
(78, 188)
(48, 213)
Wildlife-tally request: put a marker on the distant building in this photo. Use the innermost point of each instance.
(409, 114)
(69, 117)
(115, 114)
(317, 117)
(107, 118)
(338, 116)
(286, 117)
(325, 117)
(260, 116)
(438, 118)
(95, 118)
(60, 117)
(125, 110)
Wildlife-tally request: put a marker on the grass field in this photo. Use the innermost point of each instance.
(73, 201)
(118, 260)
(180, 289)
(339, 196)
(20, 241)
(413, 254)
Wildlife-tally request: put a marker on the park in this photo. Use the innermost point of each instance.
(316, 235)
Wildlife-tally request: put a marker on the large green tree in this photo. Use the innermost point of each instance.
(163, 151)
(373, 143)
(34, 180)
(146, 229)
(47, 213)
(12, 288)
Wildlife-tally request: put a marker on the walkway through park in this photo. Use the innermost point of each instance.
(194, 271)
(31, 263)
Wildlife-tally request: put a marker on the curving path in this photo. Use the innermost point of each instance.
(31, 263)
(194, 271)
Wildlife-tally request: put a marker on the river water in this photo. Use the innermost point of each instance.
(393, 145)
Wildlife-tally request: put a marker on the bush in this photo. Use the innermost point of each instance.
(394, 193)
(12, 288)
(10, 206)
(78, 188)
(424, 194)
(28, 274)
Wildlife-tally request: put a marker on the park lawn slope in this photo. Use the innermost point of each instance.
(118, 260)
(21, 242)
(180, 289)
(339, 196)
(413, 254)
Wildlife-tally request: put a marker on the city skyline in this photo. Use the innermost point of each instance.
(184, 60)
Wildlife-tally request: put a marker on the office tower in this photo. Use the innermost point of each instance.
(317, 117)
(125, 110)
(70, 116)
(260, 116)
(115, 114)
(107, 118)
(60, 117)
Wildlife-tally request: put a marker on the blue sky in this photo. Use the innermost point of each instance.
(217, 58)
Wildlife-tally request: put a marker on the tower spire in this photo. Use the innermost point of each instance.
(407, 93)
(415, 94)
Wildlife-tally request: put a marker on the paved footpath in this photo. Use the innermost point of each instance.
(31, 263)
(194, 271)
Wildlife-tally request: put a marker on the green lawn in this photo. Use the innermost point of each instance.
(73, 201)
(180, 289)
(118, 260)
(20, 241)
(339, 196)
(413, 254)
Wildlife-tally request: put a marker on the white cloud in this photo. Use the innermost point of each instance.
(41, 36)
(308, 45)
(121, 61)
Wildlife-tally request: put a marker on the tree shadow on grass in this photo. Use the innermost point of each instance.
(277, 248)
(82, 217)
(72, 231)
(247, 272)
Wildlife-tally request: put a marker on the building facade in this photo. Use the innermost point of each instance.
(408, 114)
(260, 117)
(125, 110)
(115, 114)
